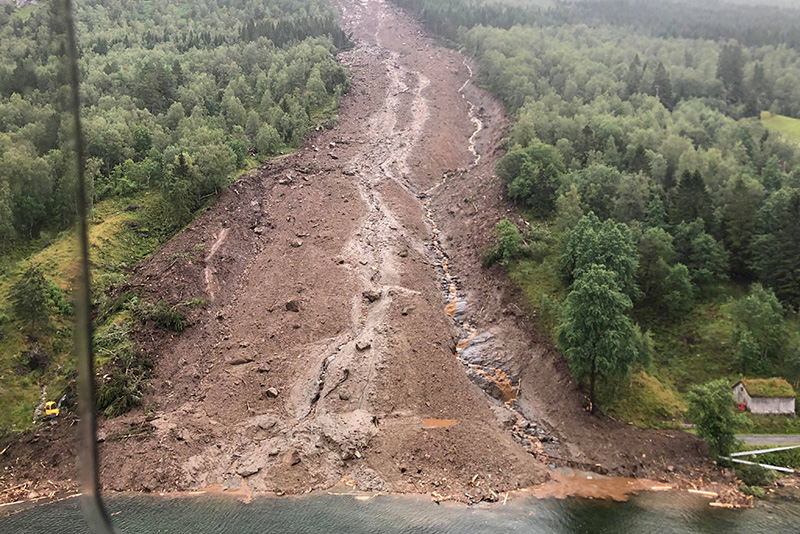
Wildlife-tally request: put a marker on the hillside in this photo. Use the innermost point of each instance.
(344, 329)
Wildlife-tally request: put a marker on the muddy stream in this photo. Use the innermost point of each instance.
(457, 307)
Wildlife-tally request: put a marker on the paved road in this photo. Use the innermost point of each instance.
(769, 439)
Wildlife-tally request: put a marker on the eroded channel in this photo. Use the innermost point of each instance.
(495, 381)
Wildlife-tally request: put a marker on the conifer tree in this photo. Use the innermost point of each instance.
(787, 255)
(691, 199)
(29, 299)
(730, 69)
(633, 79)
(662, 85)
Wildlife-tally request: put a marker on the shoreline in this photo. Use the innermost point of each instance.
(565, 483)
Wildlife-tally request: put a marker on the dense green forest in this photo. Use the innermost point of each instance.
(664, 214)
(177, 98)
(201, 78)
(771, 22)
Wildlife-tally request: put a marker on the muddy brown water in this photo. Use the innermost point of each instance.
(662, 513)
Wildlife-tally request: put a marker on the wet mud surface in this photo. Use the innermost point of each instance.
(350, 332)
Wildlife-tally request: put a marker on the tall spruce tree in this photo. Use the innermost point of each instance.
(730, 69)
(633, 79)
(662, 85)
(787, 255)
(691, 199)
(739, 217)
(29, 299)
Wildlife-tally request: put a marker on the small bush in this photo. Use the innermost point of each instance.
(58, 300)
(755, 491)
(755, 475)
(168, 317)
(197, 302)
(509, 245)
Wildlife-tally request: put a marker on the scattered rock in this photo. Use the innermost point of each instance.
(366, 479)
(349, 172)
(294, 458)
(247, 467)
(292, 306)
(265, 422)
(372, 295)
(403, 253)
(259, 230)
(240, 361)
(333, 156)
(363, 345)
(263, 368)
(504, 415)
(272, 393)
(297, 243)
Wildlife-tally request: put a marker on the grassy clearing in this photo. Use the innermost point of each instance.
(771, 424)
(698, 347)
(119, 237)
(645, 401)
(786, 126)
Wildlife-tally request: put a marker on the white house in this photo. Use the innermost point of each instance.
(765, 395)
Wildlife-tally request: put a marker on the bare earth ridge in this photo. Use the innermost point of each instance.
(350, 332)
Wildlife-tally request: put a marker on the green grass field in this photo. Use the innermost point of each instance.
(786, 126)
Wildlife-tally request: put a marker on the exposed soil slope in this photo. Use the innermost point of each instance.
(324, 351)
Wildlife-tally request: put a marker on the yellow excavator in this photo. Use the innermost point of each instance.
(51, 410)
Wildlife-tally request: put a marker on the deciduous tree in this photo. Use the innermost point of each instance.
(596, 334)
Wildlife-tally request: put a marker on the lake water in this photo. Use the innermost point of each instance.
(662, 513)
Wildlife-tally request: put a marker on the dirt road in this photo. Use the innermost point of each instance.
(350, 332)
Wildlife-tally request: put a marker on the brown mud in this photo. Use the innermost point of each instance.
(350, 332)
